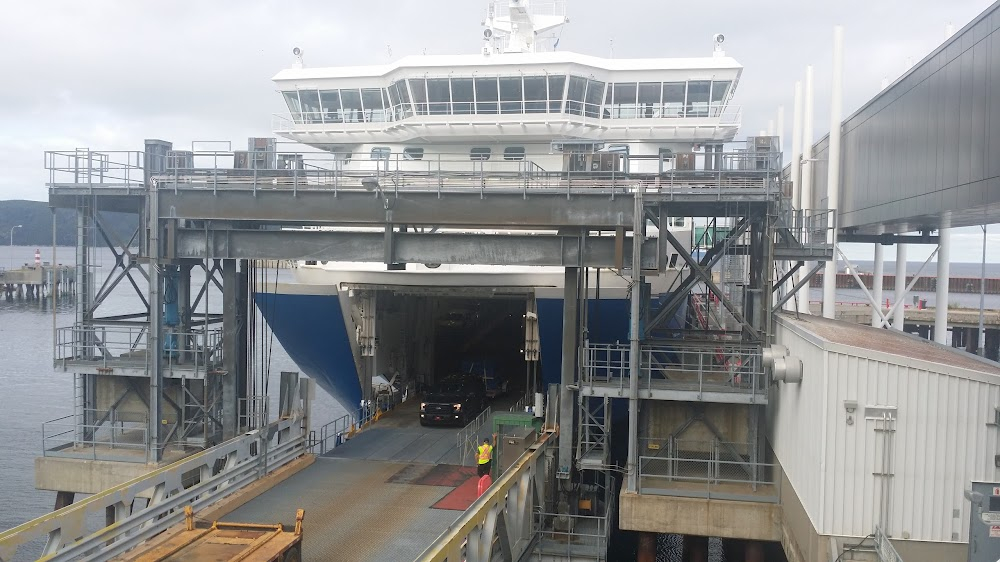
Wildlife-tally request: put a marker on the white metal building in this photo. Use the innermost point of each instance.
(885, 429)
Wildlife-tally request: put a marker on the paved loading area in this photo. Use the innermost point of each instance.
(384, 495)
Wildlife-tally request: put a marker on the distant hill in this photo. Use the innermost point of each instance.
(35, 219)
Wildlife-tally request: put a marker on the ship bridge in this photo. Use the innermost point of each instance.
(516, 96)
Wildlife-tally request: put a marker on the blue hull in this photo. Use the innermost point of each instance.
(312, 331)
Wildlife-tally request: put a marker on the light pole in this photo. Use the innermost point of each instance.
(12, 244)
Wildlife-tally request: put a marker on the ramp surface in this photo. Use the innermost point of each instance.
(380, 496)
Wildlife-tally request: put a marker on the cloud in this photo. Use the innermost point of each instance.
(107, 75)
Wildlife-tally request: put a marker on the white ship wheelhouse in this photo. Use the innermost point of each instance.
(512, 106)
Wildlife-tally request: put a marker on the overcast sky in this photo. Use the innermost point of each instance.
(107, 74)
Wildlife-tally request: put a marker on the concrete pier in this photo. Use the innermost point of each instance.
(36, 282)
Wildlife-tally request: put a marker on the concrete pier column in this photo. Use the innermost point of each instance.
(753, 551)
(695, 548)
(992, 350)
(647, 548)
(898, 316)
(943, 277)
(972, 340)
(64, 499)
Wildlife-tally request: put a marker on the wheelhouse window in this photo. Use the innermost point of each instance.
(513, 153)
(310, 106)
(720, 93)
(623, 100)
(698, 95)
(487, 96)
(403, 109)
(535, 94)
(557, 86)
(330, 100)
(575, 95)
(418, 89)
(462, 96)
(292, 101)
(374, 105)
(438, 96)
(649, 100)
(511, 95)
(595, 94)
(350, 101)
(413, 153)
(673, 99)
(480, 154)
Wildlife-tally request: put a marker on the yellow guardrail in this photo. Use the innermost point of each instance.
(512, 496)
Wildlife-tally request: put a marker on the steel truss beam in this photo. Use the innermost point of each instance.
(802, 283)
(410, 247)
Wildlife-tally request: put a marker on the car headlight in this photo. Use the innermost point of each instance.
(458, 407)
(423, 405)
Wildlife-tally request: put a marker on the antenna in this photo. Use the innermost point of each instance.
(518, 25)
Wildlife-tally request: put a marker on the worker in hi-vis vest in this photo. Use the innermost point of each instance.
(484, 455)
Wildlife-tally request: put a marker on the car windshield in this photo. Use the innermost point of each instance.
(449, 388)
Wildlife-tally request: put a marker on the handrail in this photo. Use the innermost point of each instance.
(471, 537)
(218, 472)
(883, 547)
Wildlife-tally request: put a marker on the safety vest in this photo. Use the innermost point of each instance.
(485, 453)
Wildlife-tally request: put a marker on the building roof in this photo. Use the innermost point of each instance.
(890, 341)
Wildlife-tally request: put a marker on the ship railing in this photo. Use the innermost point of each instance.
(468, 439)
(78, 531)
(524, 402)
(884, 549)
(522, 112)
(107, 435)
(708, 474)
(669, 174)
(700, 367)
(105, 168)
(330, 435)
(806, 231)
(584, 535)
(109, 346)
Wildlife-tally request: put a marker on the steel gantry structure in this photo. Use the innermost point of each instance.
(699, 347)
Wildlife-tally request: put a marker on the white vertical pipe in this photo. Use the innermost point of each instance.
(806, 171)
(898, 316)
(943, 275)
(833, 170)
(770, 127)
(796, 147)
(877, 278)
(781, 128)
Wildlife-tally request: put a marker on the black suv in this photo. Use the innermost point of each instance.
(454, 401)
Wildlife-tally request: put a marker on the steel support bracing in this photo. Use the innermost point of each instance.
(155, 350)
(634, 358)
(571, 297)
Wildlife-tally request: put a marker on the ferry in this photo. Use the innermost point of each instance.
(519, 108)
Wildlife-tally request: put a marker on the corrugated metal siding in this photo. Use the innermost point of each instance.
(795, 414)
(942, 441)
